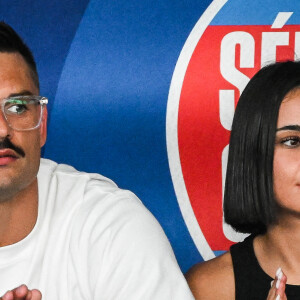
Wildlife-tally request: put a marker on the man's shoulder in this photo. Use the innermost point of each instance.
(51, 168)
(111, 230)
(213, 279)
(64, 185)
(65, 177)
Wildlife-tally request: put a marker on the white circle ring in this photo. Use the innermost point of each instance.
(172, 128)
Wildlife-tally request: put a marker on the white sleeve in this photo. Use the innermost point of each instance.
(124, 252)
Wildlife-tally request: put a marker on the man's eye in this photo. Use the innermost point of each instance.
(16, 109)
(291, 142)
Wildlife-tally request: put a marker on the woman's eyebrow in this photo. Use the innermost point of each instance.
(289, 127)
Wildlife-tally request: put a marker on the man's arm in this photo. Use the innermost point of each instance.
(121, 252)
(22, 293)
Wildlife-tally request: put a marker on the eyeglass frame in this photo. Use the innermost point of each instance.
(38, 99)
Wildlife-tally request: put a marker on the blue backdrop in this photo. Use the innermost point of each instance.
(106, 67)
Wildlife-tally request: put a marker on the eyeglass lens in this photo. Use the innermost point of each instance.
(22, 114)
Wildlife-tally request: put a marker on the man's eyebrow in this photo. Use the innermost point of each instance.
(21, 93)
(289, 127)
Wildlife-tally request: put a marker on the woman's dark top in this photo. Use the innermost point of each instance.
(251, 282)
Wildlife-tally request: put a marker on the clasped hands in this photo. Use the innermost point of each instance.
(22, 293)
(277, 291)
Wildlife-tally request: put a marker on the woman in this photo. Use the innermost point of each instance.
(262, 194)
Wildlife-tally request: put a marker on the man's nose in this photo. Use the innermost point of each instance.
(5, 129)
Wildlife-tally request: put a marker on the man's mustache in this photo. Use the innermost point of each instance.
(7, 144)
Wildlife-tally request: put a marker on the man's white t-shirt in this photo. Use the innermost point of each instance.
(91, 241)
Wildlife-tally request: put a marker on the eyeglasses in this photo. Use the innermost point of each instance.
(23, 113)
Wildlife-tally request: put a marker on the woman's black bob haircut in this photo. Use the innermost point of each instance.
(249, 204)
(11, 42)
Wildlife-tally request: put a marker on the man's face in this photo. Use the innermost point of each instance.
(18, 171)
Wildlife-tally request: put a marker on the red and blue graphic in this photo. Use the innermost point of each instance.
(106, 67)
(215, 64)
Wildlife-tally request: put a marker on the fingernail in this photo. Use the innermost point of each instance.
(271, 283)
(277, 284)
(278, 272)
(278, 297)
(279, 275)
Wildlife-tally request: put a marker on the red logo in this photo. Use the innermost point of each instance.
(215, 65)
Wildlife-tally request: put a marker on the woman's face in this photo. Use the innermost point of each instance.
(286, 166)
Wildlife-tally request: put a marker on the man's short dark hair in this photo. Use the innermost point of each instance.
(249, 203)
(11, 42)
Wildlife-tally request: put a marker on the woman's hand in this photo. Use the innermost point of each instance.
(277, 291)
(22, 293)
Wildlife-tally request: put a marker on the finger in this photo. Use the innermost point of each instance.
(284, 297)
(8, 296)
(36, 295)
(272, 291)
(20, 292)
(280, 284)
(29, 295)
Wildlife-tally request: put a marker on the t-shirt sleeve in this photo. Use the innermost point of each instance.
(123, 252)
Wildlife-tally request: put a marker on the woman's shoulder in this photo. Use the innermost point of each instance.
(213, 279)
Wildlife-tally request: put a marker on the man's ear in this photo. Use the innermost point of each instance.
(43, 127)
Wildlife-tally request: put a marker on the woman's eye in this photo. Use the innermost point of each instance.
(291, 142)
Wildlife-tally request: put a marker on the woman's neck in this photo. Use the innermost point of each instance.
(280, 247)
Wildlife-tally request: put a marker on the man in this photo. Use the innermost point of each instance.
(67, 234)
